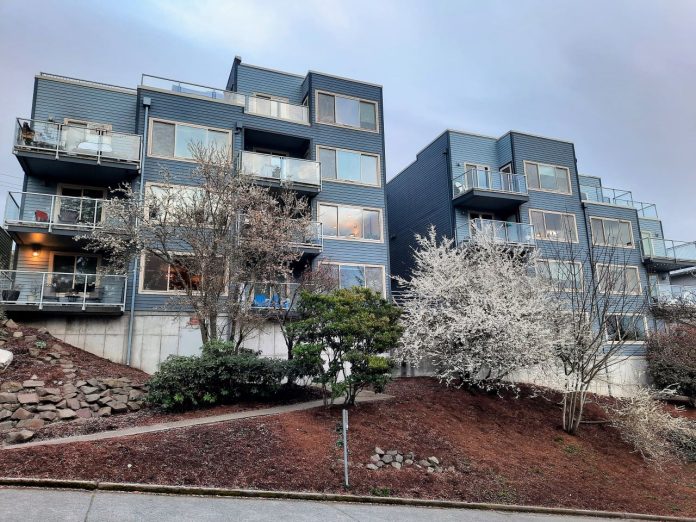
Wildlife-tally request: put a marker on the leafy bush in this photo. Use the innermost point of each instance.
(184, 383)
(672, 359)
(225, 348)
(659, 437)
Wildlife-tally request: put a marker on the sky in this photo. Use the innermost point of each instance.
(617, 78)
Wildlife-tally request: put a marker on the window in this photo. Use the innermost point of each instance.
(350, 222)
(550, 178)
(343, 110)
(172, 140)
(366, 276)
(160, 276)
(554, 226)
(567, 274)
(612, 232)
(626, 328)
(161, 198)
(619, 279)
(73, 272)
(346, 165)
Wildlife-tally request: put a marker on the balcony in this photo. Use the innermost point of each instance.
(278, 297)
(485, 190)
(509, 233)
(673, 295)
(51, 292)
(282, 171)
(277, 109)
(619, 198)
(665, 254)
(73, 152)
(192, 89)
(33, 212)
(311, 240)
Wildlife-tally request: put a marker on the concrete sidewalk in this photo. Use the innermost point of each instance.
(365, 396)
(34, 505)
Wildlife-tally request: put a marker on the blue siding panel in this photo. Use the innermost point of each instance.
(252, 80)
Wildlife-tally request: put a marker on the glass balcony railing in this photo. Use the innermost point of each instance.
(500, 231)
(64, 289)
(178, 87)
(483, 179)
(54, 212)
(656, 248)
(620, 198)
(673, 294)
(90, 141)
(280, 168)
(279, 296)
(277, 109)
(311, 236)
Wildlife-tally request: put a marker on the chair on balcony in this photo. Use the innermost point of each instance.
(96, 295)
(40, 216)
(68, 216)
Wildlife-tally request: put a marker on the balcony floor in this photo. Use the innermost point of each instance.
(658, 264)
(67, 168)
(491, 200)
(17, 310)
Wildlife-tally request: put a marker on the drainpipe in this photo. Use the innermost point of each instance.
(141, 190)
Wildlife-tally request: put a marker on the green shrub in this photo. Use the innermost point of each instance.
(184, 383)
(672, 359)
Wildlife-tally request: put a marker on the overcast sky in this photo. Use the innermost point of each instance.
(616, 78)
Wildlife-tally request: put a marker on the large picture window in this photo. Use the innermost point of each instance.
(161, 277)
(566, 274)
(352, 275)
(173, 140)
(346, 111)
(612, 232)
(550, 178)
(554, 226)
(347, 165)
(626, 328)
(619, 279)
(350, 222)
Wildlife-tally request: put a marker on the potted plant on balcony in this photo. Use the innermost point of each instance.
(11, 295)
(34, 294)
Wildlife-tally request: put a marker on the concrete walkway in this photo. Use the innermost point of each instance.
(34, 505)
(364, 396)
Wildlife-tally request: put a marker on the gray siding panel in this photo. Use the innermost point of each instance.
(59, 100)
(252, 80)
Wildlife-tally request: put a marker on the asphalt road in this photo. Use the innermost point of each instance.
(45, 505)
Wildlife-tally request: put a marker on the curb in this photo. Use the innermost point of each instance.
(93, 485)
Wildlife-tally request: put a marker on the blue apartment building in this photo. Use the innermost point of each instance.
(527, 190)
(321, 133)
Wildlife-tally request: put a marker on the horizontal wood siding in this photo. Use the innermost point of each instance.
(252, 80)
(59, 100)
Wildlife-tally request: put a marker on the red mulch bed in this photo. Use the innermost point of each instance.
(503, 450)
(88, 365)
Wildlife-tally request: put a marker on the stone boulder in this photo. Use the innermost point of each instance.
(5, 359)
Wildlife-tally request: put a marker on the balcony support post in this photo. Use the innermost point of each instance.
(43, 285)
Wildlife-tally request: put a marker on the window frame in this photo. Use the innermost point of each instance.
(539, 163)
(341, 238)
(150, 127)
(543, 211)
(347, 181)
(645, 329)
(53, 253)
(567, 262)
(610, 245)
(638, 292)
(317, 92)
(363, 265)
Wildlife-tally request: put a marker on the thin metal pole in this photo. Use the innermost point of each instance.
(345, 447)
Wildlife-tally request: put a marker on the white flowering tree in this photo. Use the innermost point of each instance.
(475, 312)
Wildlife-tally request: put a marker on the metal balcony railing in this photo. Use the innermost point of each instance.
(204, 91)
(280, 168)
(673, 294)
(310, 237)
(278, 296)
(483, 179)
(656, 248)
(277, 109)
(617, 197)
(64, 289)
(500, 231)
(52, 211)
(89, 141)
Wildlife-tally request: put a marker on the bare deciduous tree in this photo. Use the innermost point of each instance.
(476, 312)
(603, 310)
(210, 239)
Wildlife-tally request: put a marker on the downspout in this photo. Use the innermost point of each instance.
(136, 264)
